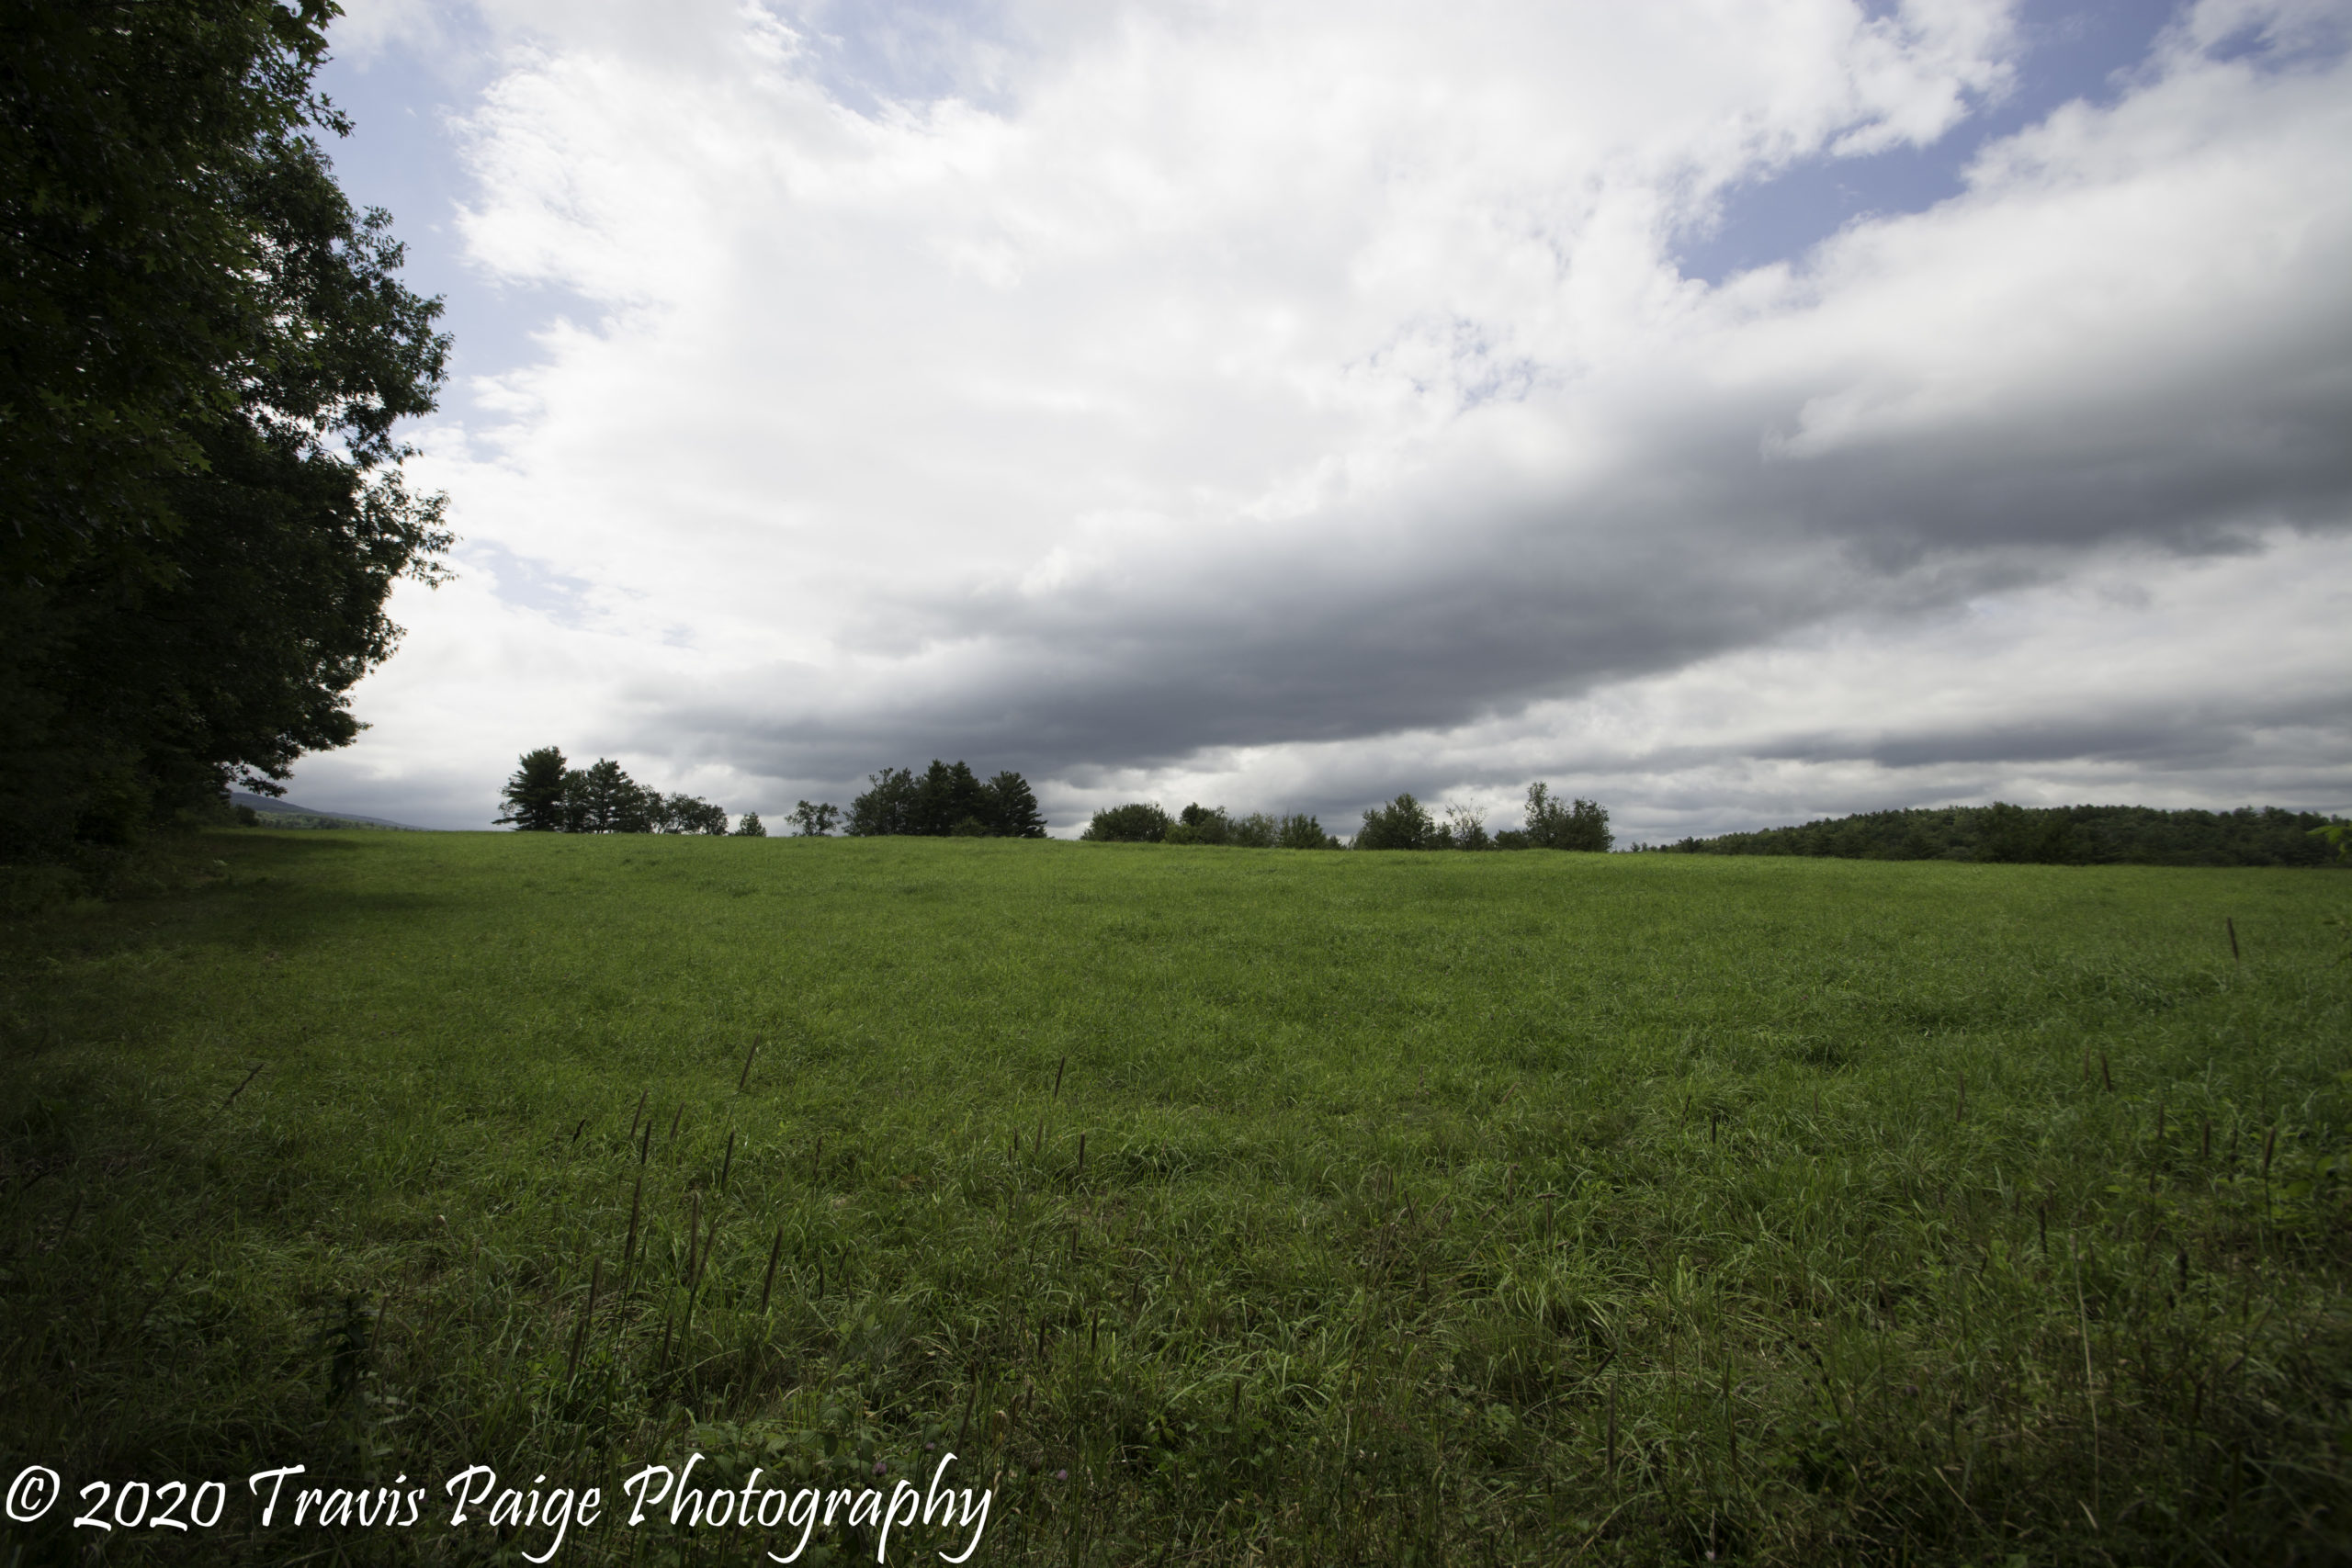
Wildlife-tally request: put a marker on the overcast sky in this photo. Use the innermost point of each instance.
(1737, 414)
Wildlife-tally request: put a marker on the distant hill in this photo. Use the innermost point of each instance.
(2058, 835)
(286, 813)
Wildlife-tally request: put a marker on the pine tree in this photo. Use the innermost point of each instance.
(534, 796)
(1012, 807)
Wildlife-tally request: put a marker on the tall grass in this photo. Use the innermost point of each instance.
(1492, 1209)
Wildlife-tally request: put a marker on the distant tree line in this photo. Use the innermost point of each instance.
(946, 800)
(547, 795)
(1403, 824)
(2058, 835)
(1143, 822)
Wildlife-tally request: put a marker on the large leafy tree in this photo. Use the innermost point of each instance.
(204, 350)
(687, 814)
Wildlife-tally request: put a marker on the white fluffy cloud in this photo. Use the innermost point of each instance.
(1294, 403)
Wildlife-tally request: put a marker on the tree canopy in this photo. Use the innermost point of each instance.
(547, 795)
(947, 800)
(1403, 824)
(1576, 824)
(206, 351)
(812, 819)
(1139, 822)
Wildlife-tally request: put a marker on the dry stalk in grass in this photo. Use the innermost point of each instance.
(768, 1284)
(241, 1085)
(635, 1203)
(579, 1335)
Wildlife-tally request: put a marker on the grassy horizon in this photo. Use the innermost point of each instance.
(1432, 1207)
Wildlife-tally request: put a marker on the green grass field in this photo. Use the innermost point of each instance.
(1505, 1208)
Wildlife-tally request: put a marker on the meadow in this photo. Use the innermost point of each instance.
(1210, 1206)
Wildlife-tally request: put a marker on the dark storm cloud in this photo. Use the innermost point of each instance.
(1701, 542)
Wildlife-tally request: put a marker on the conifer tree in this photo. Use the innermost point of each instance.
(534, 796)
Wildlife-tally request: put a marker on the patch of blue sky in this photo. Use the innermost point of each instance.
(531, 584)
(2068, 50)
(867, 57)
(404, 154)
(407, 94)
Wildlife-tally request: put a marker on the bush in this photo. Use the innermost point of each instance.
(815, 820)
(1255, 831)
(1403, 824)
(1139, 822)
(1198, 824)
(1581, 825)
(1300, 831)
(1467, 829)
(687, 814)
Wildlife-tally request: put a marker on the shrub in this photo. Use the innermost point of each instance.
(1198, 824)
(1403, 824)
(1139, 822)
(1300, 831)
(1256, 832)
(1579, 825)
